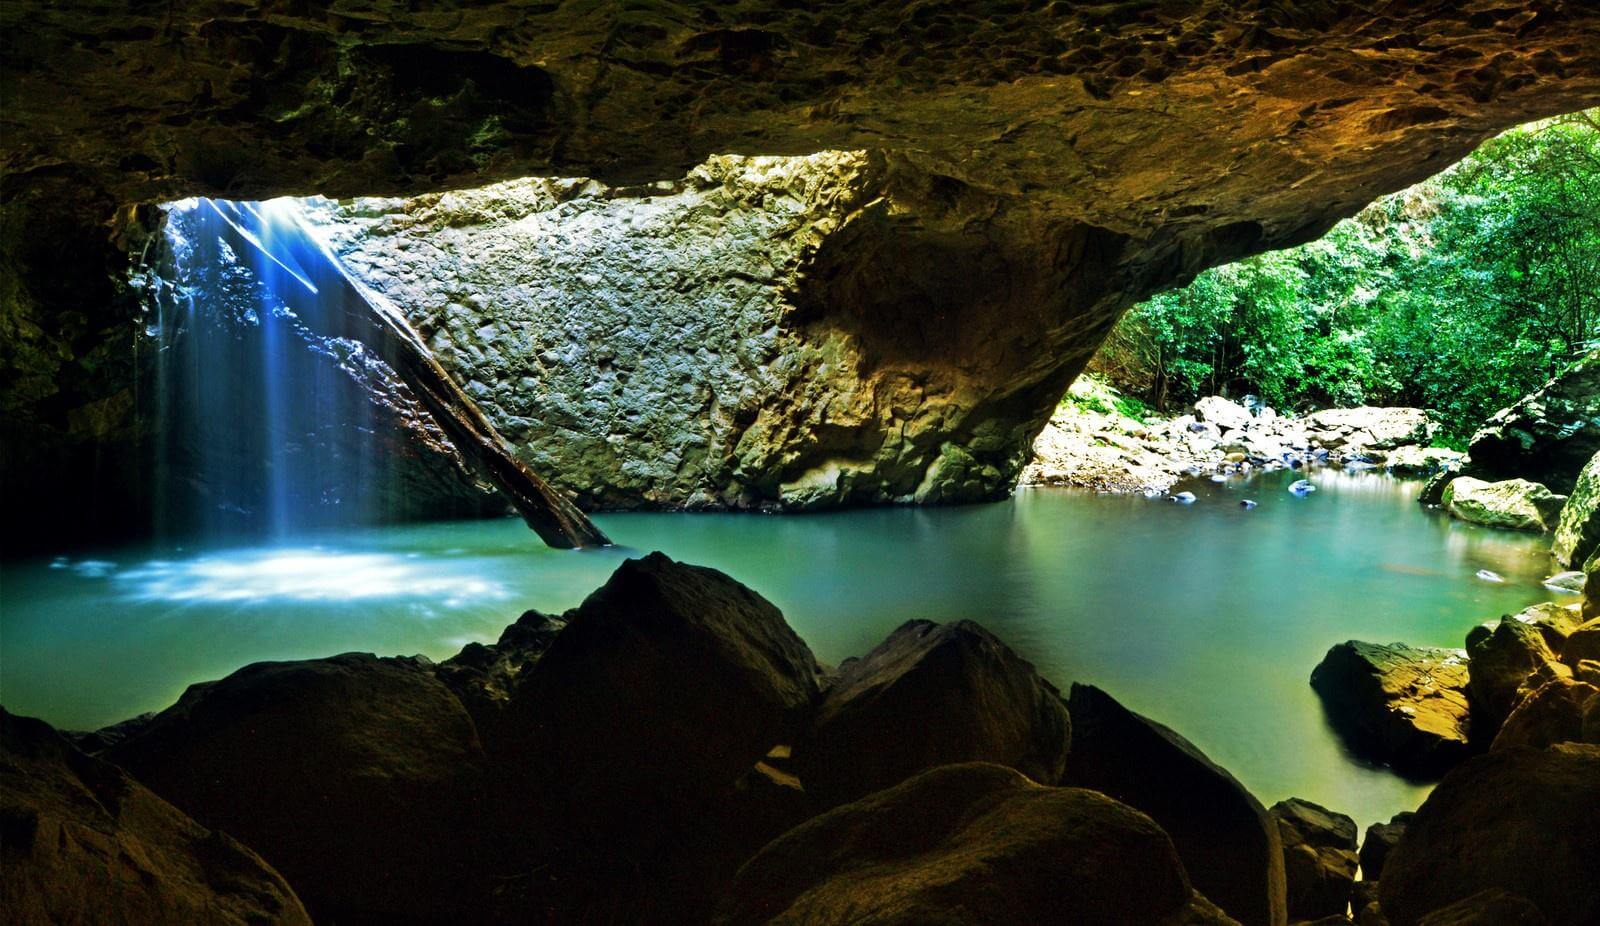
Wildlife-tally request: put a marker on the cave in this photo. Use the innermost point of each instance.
(743, 352)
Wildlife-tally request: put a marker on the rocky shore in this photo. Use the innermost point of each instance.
(1098, 439)
(670, 751)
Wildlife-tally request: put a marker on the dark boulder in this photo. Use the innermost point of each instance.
(1583, 643)
(1401, 705)
(1319, 858)
(1432, 491)
(932, 694)
(81, 842)
(1549, 434)
(1228, 843)
(1561, 710)
(1499, 664)
(1520, 819)
(666, 684)
(484, 676)
(359, 778)
(1380, 840)
(969, 844)
(1493, 907)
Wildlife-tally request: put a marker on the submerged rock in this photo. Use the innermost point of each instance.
(1512, 504)
(1549, 435)
(1228, 843)
(1402, 705)
(1319, 858)
(359, 778)
(82, 842)
(1523, 820)
(932, 694)
(1301, 487)
(970, 845)
(1578, 526)
(1182, 498)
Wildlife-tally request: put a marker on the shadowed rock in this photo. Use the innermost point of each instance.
(1493, 907)
(1559, 711)
(1228, 843)
(1401, 705)
(1578, 527)
(1380, 840)
(1526, 821)
(1499, 664)
(81, 842)
(358, 777)
(1319, 858)
(932, 694)
(1549, 435)
(969, 844)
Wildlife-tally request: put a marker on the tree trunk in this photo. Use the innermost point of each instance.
(313, 283)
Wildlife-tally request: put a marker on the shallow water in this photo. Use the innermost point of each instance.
(1207, 616)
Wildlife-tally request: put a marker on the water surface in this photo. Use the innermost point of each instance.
(1208, 617)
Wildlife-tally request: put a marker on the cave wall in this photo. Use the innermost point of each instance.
(1036, 166)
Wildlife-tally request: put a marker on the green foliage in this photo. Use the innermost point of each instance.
(1459, 295)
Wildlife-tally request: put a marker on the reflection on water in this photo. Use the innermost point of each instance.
(1207, 616)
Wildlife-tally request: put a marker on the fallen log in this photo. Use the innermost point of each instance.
(313, 283)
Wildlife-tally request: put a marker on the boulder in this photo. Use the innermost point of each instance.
(1379, 428)
(1555, 623)
(1319, 858)
(969, 844)
(82, 842)
(359, 778)
(1493, 907)
(932, 694)
(1549, 435)
(484, 676)
(1380, 840)
(1228, 843)
(1583, 643)
(1499, 663)
(665, 685)
(1520, 819)
(1578, 526)
(1226, 415)
(1591, 586)
(1562, 710)
(1432, 491)
(1512, 504)
(1401, 705)
(1364, 904)
(1423, 461)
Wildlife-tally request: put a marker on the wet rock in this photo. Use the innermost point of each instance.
(1512, 504)
(1319, 858)
(1228, 843)
(1570, 582)
(969, 844)
(1526, 821)
(82, 842)
(1432, 492)
(1493, 907)
(1499, 663)
(1401, 705)
(1578, 526)
(1549, 435)
(1380, 840)
(1562, 710)
(359, 778)
(932, 694)
(665, 685)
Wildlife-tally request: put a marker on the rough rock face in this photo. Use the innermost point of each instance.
(485, 676)
(1561, 710)
(1228, 843)
(1578, 527)
(1550, 435)
(1499, 664)
(1041, 167)
(81, 842)
(1399, 704)
(1493, 907)
(358, 777)
(1319, 858)
(1512, 504)
(1523, 820)
(1376, 428)
(932, 694)
(1584, 643)
(970, 844)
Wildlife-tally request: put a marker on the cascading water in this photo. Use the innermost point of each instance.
(271, 417)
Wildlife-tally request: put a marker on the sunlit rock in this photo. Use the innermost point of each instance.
(1511, 504)
(1401, 705)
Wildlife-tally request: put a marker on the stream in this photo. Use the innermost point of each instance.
(1208, 617)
